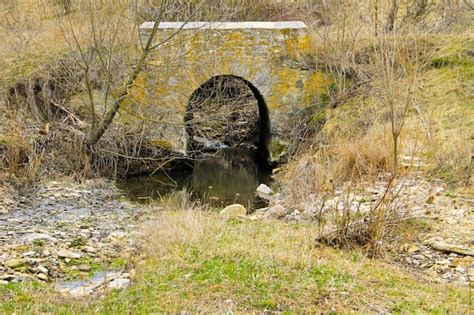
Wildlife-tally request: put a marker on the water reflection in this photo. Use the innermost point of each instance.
(230, 176)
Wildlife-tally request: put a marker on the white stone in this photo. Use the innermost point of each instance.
(264, 192)
(67, 254)
(226, 25)
(43, 269)
(119, 284)
(80, 292)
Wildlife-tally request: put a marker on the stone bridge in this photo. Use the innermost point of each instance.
(197, 56)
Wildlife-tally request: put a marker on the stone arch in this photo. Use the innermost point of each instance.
(227, 110)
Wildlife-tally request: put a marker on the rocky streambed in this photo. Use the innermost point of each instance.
(80, 236)
(65, 231)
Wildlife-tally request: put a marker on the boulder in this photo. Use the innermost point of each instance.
(234, 211)
(275, 212)
(265, 192)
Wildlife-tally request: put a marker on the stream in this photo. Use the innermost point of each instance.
(229, 176)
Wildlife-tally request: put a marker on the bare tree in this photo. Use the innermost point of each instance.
(397, 66)
(98, 43)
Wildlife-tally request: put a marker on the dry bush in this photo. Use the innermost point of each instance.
(20, 155)
(454, 156)
(230, 10)
(374, 226)
(330, 166)
(338, 182)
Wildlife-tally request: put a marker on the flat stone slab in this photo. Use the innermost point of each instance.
(226, 25)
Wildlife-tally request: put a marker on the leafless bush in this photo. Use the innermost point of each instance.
(220, 10)
(372, 223)
(64, 5)
(19, 27)
(328, 167)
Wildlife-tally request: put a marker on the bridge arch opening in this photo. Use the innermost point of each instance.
(227, 111)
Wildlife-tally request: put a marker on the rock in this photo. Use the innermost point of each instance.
(413, 249)
(42, 276)
(7, 277)
(234, 211)
(430, 200)
(31, 237)
(265, 192)
(3, 282)
(119, 284)
(84, 268)
(275, 212)
(452, 248)
(43, 269)
(3, 210)
(80, 292)
(67, 254)
(117, 235)
(89, 249)
(14, 263)
(256, 216)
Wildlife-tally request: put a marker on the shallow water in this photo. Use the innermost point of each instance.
(223, 178)
(96, 279)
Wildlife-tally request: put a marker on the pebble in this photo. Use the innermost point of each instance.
(68, 254)
(84, 268)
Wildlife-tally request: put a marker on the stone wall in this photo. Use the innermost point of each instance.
(264, 53)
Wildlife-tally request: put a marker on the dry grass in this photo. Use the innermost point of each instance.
(328, 167)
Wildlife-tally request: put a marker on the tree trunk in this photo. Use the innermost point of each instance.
(392, 16)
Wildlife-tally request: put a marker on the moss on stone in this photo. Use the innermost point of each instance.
(162, 144)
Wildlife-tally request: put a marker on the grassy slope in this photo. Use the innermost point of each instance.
(199, 262)
(447, 111)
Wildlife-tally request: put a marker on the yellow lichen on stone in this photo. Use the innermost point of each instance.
(162, 144)
(268, 59)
